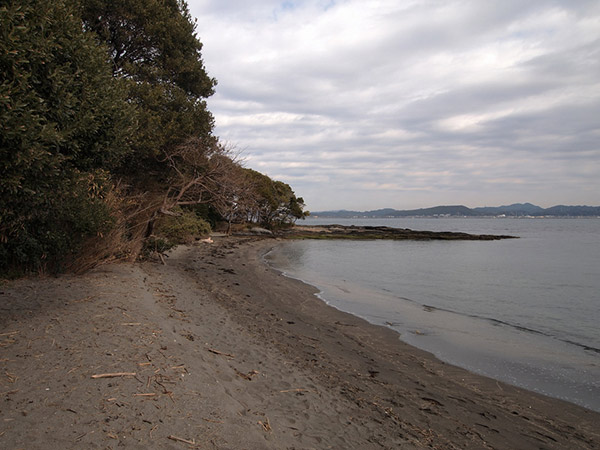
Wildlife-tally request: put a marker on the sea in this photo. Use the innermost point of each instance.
(524, 311)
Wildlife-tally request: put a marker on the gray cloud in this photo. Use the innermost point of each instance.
(380, 103)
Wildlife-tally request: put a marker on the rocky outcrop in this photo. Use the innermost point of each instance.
(381, 232)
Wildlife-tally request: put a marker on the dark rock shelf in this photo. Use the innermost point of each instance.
(381, 232)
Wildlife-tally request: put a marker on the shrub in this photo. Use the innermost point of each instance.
(154, 245)
(183, 228)
(51, 230)
(64, 123)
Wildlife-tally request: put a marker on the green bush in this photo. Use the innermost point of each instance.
(64, 122)
(156, 245)
(183, 228)
(52, 229)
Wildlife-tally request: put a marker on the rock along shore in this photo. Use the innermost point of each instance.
(381, 232)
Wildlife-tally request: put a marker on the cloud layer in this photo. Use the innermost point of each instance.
(402, 104)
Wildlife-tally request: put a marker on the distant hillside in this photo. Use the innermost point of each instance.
(514, 210)
(517, 209)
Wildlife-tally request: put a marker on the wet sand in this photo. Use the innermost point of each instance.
(216, 350)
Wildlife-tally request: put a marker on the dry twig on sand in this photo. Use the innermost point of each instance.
(7, 342)
(295, 390)
(247, 376)
(114, 375)
(186, 441)
(212, 421)
(11, 333)
(9, 392)
(12, 378)
(216, 352)
(266, 425)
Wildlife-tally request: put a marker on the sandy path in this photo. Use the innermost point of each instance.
(229, 354)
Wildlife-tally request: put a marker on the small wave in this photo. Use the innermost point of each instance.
(499, 322)
(541, 333)
(583, 346)
(512, 325)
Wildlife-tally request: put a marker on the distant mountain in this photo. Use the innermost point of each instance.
(514, 210)
(454, 210)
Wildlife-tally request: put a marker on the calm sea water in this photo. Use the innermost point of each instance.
(525, 311)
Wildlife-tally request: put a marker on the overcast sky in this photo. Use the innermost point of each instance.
(365, 104)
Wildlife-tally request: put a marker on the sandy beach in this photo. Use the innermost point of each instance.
(215, 350)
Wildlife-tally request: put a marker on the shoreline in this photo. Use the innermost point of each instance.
(228, 353)
(527, 370)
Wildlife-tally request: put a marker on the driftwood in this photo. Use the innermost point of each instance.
(216, 352)
(178, 439)
(295, 390)
(247, 376)
(11, 333)
(114, 375)
(212, 421)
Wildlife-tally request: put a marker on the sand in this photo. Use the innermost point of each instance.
(218, 351)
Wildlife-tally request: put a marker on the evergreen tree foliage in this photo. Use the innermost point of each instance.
(99, 93)
(274, 202)
(64, 122)
(153, 46)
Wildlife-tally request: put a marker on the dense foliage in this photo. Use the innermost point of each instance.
(182, 228)
(273, 203)
(106, 99)
(64, 122)
(153, 46)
